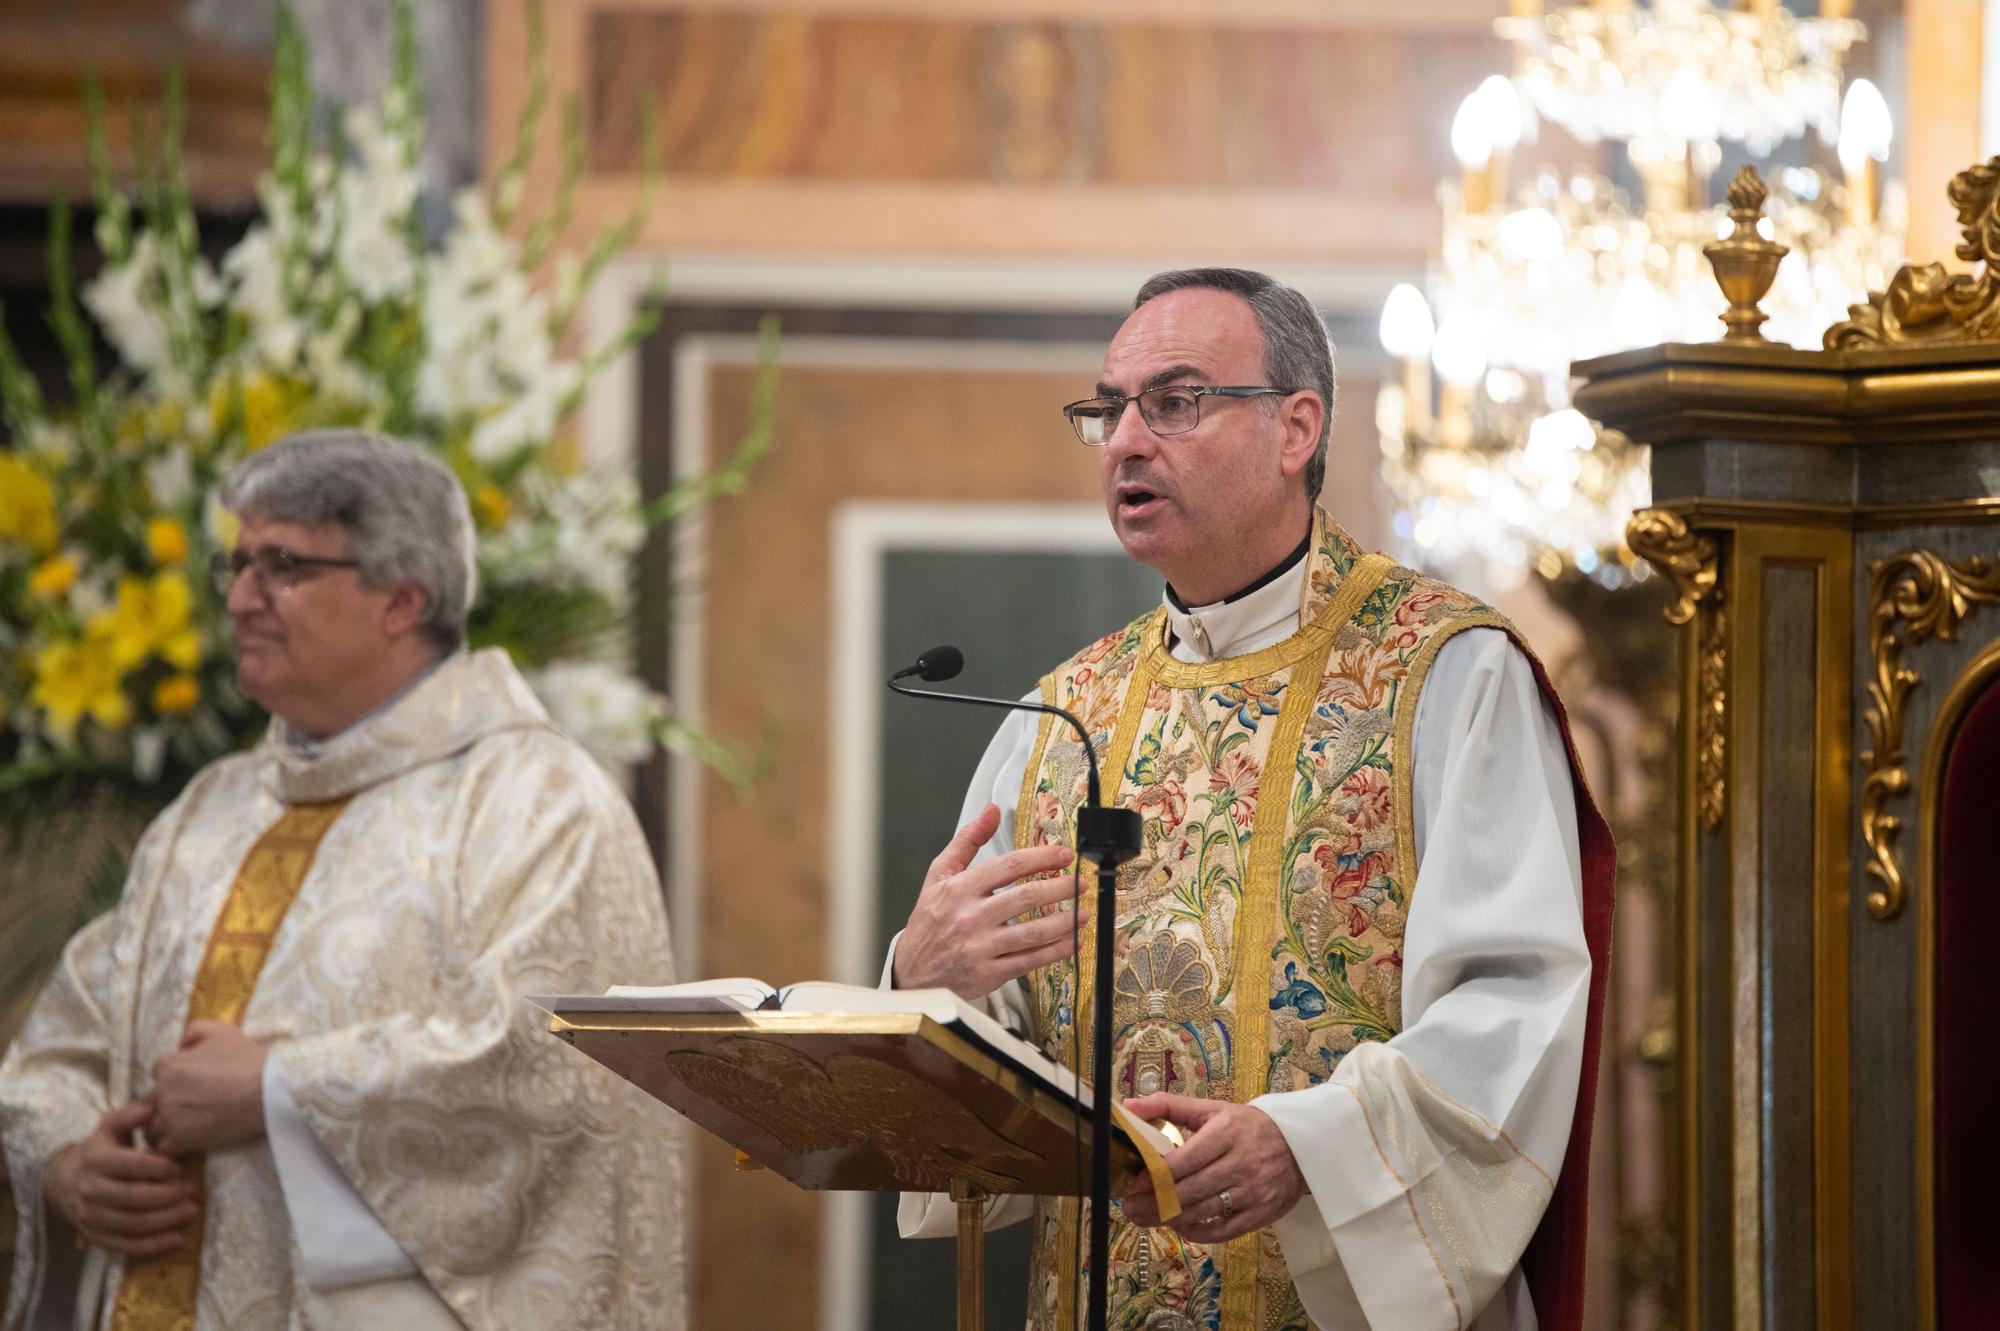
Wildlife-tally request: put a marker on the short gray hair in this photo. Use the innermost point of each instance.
(1298, 354)
(406, 515)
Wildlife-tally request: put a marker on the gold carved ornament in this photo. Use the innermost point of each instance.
(851, 1102)
(1914, 596)
(1690, 563)
(1924, 305)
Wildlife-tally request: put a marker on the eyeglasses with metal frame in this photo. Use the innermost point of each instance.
(1168, 409)
(276, 569)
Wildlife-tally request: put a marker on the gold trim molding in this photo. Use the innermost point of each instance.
(1914, 596)
(1691, 562)
(1711, 749)
(1924, 305)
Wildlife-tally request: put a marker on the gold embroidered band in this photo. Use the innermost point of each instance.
(159, 1293)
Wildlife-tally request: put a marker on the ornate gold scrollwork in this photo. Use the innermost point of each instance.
(1690, 562)
(1915, 595)
(1687, 559)
(1924, 305)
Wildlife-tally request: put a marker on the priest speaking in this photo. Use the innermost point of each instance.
(288, 1081)
(1360, 959)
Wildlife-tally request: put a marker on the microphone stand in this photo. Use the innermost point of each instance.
(1110, 837)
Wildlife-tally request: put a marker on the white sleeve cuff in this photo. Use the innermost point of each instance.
(340, 1241)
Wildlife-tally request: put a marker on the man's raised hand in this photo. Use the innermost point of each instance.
(962, 935)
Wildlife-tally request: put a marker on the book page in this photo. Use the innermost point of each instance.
(735, 994)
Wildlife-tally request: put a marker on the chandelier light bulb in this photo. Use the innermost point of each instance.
(1532, 235)
(1687, 110)
(1866, 128)
(1407, 328)
(1502, 111)
(1458, 351)
(1635, 314)
(1471, 137)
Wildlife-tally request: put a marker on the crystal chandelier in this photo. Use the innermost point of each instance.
(1490, 469)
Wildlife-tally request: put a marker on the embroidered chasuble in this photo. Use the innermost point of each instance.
(1259, 930)
(380, 954)
(158, 1293)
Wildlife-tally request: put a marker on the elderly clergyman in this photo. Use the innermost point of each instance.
(289, 1082)
(1360, 957)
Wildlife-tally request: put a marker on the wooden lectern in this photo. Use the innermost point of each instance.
(867, 1102)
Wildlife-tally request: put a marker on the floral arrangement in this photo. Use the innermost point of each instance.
(335, 309)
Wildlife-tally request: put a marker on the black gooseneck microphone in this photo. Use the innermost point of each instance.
(1110, 837)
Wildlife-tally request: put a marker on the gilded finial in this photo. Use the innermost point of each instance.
(1745, 263)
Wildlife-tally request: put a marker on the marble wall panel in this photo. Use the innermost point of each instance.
(904, 99)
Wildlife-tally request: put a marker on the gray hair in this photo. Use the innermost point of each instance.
(1298, 354)
(406, 515)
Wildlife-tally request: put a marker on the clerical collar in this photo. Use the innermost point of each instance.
(1263, 613)
(1271, 575)
(306, 746)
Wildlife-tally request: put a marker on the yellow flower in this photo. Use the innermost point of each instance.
(492, 505)
(27, 505)
(74, 679)
(182, 649)
(53, 578)
(263, 406)
(151, 615)
(167, 540)
(176, 693)
(223, 526)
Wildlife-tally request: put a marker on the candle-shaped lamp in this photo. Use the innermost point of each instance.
(1407, 334)
(1459, 353)
(1472, 145)
(1866, 131)
(1502, 121)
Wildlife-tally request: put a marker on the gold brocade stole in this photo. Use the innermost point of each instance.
(158, 1293)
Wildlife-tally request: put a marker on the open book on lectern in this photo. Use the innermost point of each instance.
(839, 1086)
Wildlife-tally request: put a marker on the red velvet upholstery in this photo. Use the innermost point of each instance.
(1554, 1260)
(1968, 1015)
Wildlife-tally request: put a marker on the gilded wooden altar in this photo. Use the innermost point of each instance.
(1829, 523)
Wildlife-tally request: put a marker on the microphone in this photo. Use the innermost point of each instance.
(934, 667)
(1110, 837)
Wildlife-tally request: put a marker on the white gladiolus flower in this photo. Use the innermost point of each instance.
(92, 595)
(254, 272)
(170, 478)
(122, 299)
(608, 712)
(531, 418)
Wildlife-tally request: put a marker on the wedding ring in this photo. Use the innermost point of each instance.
(1227, 1208)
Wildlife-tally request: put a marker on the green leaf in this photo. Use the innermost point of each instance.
(20, 395)
(72, 334)
(742, 771)
(752, 449)
(507, 185)
(114, 211)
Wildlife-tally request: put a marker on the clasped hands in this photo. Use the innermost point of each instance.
(133, 1199)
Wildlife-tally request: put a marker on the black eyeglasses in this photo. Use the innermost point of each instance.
(276, 569)
(1172, 409)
